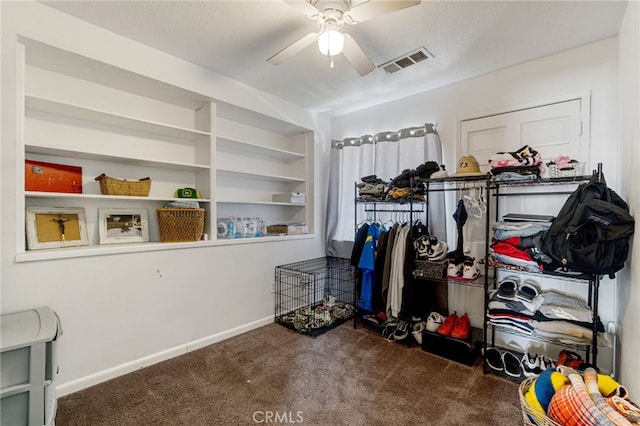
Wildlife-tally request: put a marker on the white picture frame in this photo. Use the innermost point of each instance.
(123, 225)
(56, 227)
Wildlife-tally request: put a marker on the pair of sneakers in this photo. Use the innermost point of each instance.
(534, 364)
(466, 269)
(455, 326)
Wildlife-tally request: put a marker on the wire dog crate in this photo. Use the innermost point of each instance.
(313, 296)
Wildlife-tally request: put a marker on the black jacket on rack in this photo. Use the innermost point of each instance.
(356, 253)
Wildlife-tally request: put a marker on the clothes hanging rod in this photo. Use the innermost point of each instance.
(393, 211)
(509, 194)
(465, 188)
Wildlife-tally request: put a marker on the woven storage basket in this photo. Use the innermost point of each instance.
(574, 169)
(530, 417)
(112, 186)
(180, 224)
(429, 269)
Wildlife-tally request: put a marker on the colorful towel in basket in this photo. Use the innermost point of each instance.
(573, 406)
(625, 407)
(591, 382)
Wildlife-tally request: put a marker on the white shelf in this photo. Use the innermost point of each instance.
(32, 148)
(104, 117)
(62, 195)
(249, 147)
(110, 249)
(261, 203)
(249, 175)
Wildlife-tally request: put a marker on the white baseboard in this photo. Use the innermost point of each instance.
(218, 337)
(120, 370)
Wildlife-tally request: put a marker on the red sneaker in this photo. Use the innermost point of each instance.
(461, 328)
(448, 324)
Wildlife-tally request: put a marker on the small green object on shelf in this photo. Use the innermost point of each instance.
(187, 193)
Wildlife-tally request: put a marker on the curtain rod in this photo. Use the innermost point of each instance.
(409, 132)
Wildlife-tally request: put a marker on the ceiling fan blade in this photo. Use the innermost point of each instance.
(356, 56)
(292, 49)
(303, 7)
(373, 8)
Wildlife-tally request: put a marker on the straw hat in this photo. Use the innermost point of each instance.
(468, 166)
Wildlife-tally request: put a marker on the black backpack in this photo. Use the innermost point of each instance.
(591, 232)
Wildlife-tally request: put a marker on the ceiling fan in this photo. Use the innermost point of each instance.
(331, 15)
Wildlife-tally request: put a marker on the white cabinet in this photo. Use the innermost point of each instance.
(29, 366)
(80, 112)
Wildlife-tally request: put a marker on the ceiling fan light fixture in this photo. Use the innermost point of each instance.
(330, 42)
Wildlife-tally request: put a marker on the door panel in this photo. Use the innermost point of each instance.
(552, 130)
(486, 141)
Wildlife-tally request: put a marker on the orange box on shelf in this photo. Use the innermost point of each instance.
(51, 177)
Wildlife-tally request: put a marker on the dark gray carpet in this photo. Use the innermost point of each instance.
(273, 375)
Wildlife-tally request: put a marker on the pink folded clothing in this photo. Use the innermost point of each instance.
(525, 156)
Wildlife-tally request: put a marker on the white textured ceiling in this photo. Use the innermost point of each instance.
(466, 38)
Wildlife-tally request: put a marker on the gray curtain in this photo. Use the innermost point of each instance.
(386, 155)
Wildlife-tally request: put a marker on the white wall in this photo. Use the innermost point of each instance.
(121, 312)
(593, 68)
(629, 293)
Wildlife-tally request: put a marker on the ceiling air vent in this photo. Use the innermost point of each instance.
(406, 60)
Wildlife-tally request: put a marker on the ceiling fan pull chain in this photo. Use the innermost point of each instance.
(331, 62)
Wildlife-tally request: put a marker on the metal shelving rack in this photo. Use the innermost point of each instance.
(590, 350)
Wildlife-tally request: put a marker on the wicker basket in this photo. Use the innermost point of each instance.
(112, 186)
(428, 269)
(180, 224)
(529, 416)
(574, 169)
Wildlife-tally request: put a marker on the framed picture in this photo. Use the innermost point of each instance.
(56, 227)
(123, 225)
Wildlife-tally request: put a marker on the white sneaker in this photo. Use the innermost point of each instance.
(434, 321)
(418, 328)
(454, 270)
(531, 364)
(546, 362)
(442, 173)
(470, 270)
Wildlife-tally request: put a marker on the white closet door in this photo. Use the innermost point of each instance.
(554, 127)
(551, 129)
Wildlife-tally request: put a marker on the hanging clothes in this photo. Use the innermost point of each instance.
(386, 271)
(460, 216)
(396, 279)
(383, 244)
(367, 265)
(356, 253)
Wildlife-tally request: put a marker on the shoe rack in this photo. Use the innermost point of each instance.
(463, 350)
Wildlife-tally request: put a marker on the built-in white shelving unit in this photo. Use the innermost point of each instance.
(254, 162)
(80, 112)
